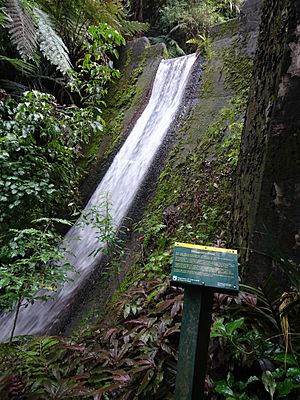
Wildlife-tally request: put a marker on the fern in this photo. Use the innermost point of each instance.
(20, 65)
(133, 27)
(13, 87)
(173, 47)
(73, 17)
(51, 45)
(4, 18)
(21, 28)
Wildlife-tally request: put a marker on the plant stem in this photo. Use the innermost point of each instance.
(15, 319)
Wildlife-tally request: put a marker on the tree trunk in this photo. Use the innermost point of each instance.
(139, 11)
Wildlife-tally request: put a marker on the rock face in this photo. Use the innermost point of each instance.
(267, 209)
(251, 15)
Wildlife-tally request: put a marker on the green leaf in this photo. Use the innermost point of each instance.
(269, 383)
(294, 373)
(230, 379)
(251, 379)
(218, 329)
(286, 387)
(231, 327)
(126, 310)
(221, 387)
(282, 357)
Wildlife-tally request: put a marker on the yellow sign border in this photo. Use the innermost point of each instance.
(195, 246)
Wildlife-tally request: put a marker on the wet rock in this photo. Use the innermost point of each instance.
(267, 208)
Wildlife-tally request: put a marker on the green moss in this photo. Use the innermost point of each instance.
(225, 29)
(127, 87)
(228, 70)
(129, 54)
(238, 70)
(198, 179)
(207, 85)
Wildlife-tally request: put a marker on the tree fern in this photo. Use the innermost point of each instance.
(21, 28)
(51, 45)
(73, 18)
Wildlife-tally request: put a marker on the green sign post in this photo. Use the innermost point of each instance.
(201, 270)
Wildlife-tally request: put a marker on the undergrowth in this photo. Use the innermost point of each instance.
(132, 354)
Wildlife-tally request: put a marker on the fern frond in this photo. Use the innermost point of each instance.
(21, 28)
(20, 65)
(133, 27)
(13, 87)
(112, 12)
(51, 45)
(4, 18)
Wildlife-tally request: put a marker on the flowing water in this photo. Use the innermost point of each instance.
(121, 183)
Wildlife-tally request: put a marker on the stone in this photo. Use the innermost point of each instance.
(267, 206)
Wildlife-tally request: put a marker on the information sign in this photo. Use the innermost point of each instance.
(211, 267)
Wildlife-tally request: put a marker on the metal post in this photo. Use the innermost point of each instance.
(194, 340)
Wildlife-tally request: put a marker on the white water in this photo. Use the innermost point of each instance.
(121, 182)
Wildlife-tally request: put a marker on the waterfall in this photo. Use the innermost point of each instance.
(121, 181)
